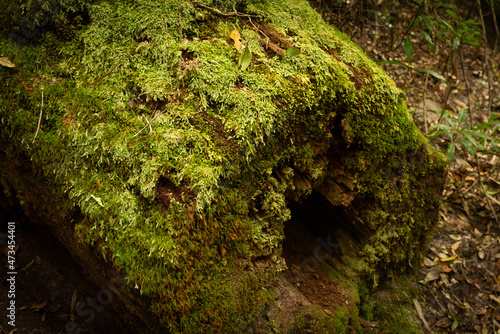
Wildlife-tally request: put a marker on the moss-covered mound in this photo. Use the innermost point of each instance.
(175, 166)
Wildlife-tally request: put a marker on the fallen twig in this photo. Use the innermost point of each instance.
(39, 119)
(215, 10)
(105, 75)
(151, 121)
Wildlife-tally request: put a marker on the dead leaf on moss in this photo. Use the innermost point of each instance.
(236, 37)
(4, 61)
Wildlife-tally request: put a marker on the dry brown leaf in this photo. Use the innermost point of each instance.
(236, 37)
(39, 305)
(495, 298)
(428, 262)
(28, 265)
(465, 206)
(4, 61)
(455, 246)
(444, 322)
(443, 267)
(431, 276)
(73, 301)
(481, 254)
(421, 314)
(496, 271)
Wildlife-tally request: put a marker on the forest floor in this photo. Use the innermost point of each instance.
(460, 277)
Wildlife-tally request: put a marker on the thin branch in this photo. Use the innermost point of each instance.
(411, 25)
(216, 11)
(426, 128)
(105, 75)
(496, 26)
(151, 121)
(486, 59)
(39, 119)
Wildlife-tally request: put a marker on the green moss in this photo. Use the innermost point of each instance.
(223, 148)
(391, 305)
(317, 321)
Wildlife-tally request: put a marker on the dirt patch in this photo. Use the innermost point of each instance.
(271, 40)
(317, 288)
(359, 77)
(306, 252)
(166, 191)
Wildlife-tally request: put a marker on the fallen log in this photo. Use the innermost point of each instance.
(169, 158)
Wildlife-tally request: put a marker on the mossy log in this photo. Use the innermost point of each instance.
(132, 131)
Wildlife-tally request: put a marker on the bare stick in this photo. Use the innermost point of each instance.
(486, 58)
(216, 11)
(423, 105)
(496, 27)
(151, 121)
(105, 75)
(39, 119)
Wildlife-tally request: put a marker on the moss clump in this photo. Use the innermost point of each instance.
(186, 203)
(318, 322)
(391, 305)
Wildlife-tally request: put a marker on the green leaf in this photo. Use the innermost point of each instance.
(408, 49)
(478, 134)
(461, 117)
(434, 74)
(470, 148)
(453, 14)
(428, 41)
(455, 43)
(292, 52)
(393, 62)
(495, 146)
(451, 151)
(441, 4)
(471, 139)
(438, 133)
(428, 23)
(245, 58)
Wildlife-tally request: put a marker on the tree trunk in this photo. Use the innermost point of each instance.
(191, 172)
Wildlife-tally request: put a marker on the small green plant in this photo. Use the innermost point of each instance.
(473, 139)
